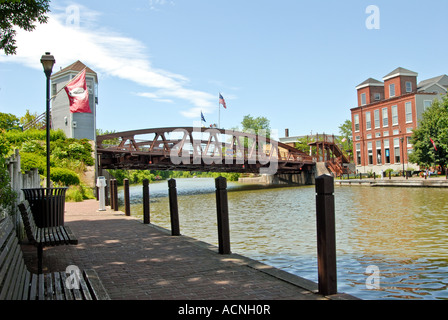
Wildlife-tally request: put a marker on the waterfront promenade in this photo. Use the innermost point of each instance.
(144, 262)
(434, 182)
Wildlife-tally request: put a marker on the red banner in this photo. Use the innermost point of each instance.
(78, 95)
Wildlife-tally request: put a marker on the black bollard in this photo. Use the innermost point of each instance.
(112, 194)
(146, 208)
(127, 201)
(115, 195)
(106, 195)
(326, 235)
(222, 209)
(174, 210)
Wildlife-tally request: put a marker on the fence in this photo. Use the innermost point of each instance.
(19, 181)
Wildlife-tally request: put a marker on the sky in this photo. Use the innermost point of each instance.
(161, 62)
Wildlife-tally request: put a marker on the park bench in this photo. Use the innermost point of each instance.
(44, 237)
(17, 283)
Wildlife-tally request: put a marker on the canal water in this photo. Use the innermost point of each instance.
(392, 243)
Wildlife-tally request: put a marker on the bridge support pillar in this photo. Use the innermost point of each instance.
(303, 178)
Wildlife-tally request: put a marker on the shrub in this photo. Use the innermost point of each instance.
(79, 193)
(30, 161)
(64, 176)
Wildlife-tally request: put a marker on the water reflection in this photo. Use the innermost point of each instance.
(400, 230)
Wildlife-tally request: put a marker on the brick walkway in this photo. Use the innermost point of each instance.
(144, 262)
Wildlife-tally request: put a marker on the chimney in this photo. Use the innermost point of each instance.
(286, 133)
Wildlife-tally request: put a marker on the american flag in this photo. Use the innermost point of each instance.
(222, 101)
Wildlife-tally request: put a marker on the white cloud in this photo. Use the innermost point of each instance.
(108, 53)
(154, 4)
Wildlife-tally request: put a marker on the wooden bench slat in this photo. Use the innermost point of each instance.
(63, 235)
(41, 286)
(18, 287)
(48, 290)
(8, 265)
(67, 293)
(96, 286)
(26, 286)
(57, 287)
(84, 288)
(33, 287)
(71, 235)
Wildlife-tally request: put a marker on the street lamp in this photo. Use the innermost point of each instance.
(402, 153)
(48, 62)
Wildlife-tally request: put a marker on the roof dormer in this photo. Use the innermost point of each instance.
(399, 82)
(370, 91)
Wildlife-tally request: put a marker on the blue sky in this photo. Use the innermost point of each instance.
(160, 62)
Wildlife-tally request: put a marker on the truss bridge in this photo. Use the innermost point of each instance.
(199, 149)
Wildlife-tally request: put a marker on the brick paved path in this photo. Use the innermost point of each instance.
(137, 261)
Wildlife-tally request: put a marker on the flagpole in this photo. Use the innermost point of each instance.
(219, 112)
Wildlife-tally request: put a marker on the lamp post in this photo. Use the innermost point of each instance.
(402, 153)
(48, 62)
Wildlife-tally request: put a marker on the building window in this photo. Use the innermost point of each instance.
(376, 114)
(396, 132)
(358, 154)
(54, 89)
(408, 112)
(363, 99)
(386, 133)
(391, 90)
(377, 96)
(357, 138)
(409, 130)
(426, 104)
(397, 150)
(408, 86)
(385, 118)
(386, 151)
(370, 152)
(394, 115)
(368, 121)
(408, 142)
(378, 153)
(356, 123)
(378, 135)
(369, 136)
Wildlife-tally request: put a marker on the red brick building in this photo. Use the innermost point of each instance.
(386, 114)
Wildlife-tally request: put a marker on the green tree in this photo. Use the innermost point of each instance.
(433, 126)
(302, 144)
(7, 195)
(30, 120)
(8, 121)
(250, 123)
(345, 133)
(21, 14)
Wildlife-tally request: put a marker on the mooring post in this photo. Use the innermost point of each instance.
(326, 235)
(146, 211)
(115, 195)
(127, 201)
(222, 209)
(112, 195)
(174, 210)
(106, 194)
